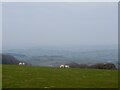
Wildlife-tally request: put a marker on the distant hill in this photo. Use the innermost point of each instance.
(8, 59)
(57, 56)
(15, 54)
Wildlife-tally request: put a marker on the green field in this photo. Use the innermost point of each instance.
(53, 77)
(0, 76)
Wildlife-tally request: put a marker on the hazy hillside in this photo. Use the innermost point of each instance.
(8, 59)
(55, 57)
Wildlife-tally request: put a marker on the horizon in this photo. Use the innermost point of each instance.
(76, 47)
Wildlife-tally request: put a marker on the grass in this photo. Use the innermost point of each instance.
(0, 76)
(52, 77)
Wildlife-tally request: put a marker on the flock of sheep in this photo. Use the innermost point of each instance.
(96, 66)
(61, 66)
(21, 63)
(64, 66)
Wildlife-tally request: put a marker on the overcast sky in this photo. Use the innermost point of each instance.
(59, 24)
(0, 20)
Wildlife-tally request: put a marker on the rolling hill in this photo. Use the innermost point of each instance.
(55, 57)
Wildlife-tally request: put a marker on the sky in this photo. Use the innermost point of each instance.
(0, 27)
(59, 24)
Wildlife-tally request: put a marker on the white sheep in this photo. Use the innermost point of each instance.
(61, 66)
(66, 66)
(23, 63)
(20, 63)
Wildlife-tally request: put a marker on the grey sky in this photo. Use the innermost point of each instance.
(34, 24)
(0, 27)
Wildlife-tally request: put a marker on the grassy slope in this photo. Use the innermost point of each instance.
(0, 76)
(36, 77)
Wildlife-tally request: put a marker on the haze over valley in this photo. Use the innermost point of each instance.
(56, 56)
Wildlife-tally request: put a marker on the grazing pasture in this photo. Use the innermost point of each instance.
(0, 76)
(15, 76)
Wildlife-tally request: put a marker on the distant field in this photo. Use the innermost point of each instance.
(52, 77)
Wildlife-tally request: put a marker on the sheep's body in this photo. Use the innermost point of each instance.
(61, 66)
(20, 63)
(23, 63)
(66, 66)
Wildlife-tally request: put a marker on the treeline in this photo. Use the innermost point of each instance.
(110, 66)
